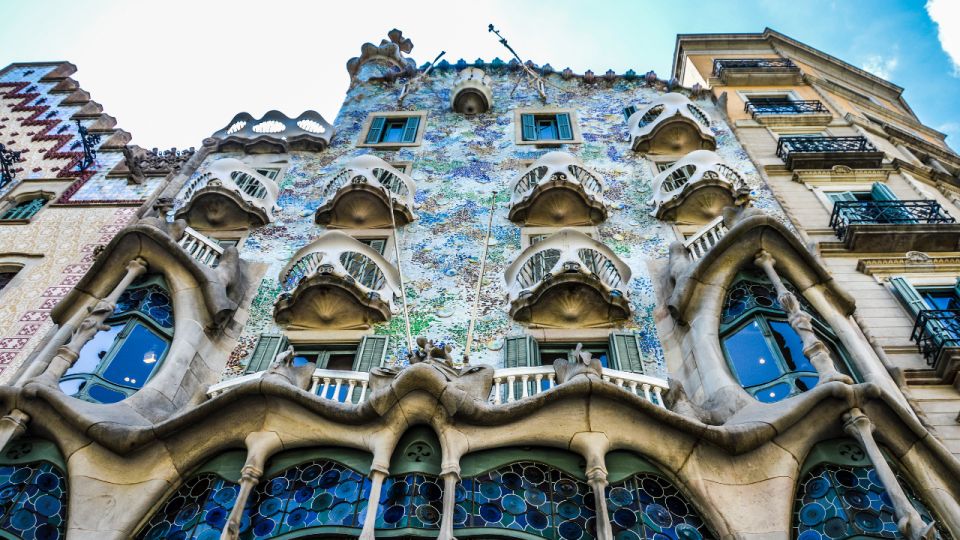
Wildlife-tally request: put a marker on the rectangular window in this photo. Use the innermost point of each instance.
(269, 172)
(337, 357)
(664, 165)
(547, 127)
(549, 352)
(393, 129)
(628, 111)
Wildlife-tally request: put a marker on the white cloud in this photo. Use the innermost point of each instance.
(880, 66)
(946, 14)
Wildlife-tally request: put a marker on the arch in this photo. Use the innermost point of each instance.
(761, 348)
(23, 206)
(411, 497)
(33, 491)
(119, 360)
(643, 501)
(839, 495)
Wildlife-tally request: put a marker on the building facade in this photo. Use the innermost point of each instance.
(498, 300)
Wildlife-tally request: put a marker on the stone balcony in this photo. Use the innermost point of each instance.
(557, 190)
(756, 71)
(229, 195)
(894, 226)
(364, 194)
(509, 384)
(275, 133)
(568, 280)
(696, 189)
(336, 283)
(788, 112)
(472, 93)
(828, 152)
(671, 124)
(937, 335)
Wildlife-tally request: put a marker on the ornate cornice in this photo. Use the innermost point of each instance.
(912, 261)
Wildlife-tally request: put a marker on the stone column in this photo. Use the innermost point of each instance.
(450, 477)
(12, 426)
(260, 446)
(593, 446)
(93, 323)
(911, 525)
(377, 475)
(813, 348)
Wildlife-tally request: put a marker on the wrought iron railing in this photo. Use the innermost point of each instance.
(935, 330)
(757, 107)
(825, 145)
(847, 213)
(753, 64)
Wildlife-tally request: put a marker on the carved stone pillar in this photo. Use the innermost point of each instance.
(12, 426)
(260, 446)
(597, 480)
(93, 323)
(450, 478)
(813, 348)
(377, 476)
(911, 525)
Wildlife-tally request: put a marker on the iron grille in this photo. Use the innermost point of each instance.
(783, 106)
(825, 145)
(935, 330)
(750, 64)
(847, 213)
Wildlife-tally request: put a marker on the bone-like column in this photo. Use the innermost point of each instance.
(911, 525)
(260, 446)
(813, 348)
(450, 478)
(377, 475)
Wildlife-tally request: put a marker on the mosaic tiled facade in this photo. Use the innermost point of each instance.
(496, 300)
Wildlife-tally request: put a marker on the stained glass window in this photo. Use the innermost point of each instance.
(411, 500)
(24, 210)
(765, 353)
(33, 501)
(847, 501)
(647, 505)
(318, 493)
(118, 361)
(529, 497)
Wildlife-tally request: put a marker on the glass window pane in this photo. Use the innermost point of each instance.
(547, 130)
(773, 393)
(393, 132)
(95, 351)
(753, 361)
(805, 383)
(72, 387)
(140, 353)
(101, 394)
(940, 299)
(791, 347)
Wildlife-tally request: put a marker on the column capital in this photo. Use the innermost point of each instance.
(763, 258)
(856, 423)
(137, 266)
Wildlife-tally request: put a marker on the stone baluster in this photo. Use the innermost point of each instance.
(260, 446)
(911, 525)
(813, 348)
(93, 323)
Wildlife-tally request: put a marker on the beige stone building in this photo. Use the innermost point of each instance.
(500, 300)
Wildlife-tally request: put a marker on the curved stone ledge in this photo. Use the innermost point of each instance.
(749, 231)
(156, 241)
(697, 188)
(275, 132)
(671, 124)
(557, 190)
(363, 194)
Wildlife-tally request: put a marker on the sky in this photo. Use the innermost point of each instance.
(174, 72)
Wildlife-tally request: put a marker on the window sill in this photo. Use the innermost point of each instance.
(15, 221)
(555, 143)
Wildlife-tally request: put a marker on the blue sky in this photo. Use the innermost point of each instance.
(174, 72)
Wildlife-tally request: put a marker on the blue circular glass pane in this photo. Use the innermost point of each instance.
(659, 515)
(620, 497)
(868, 522)
(47, 505)
(625, 518)
(263, 527)
(428, 514)
(23, 520)
(490, 490)
(47, 532)
(514, 504)
(688, 532)
(535, 497)
(512, 481)
(817, 487)
(812, 514)
(570, 530)
(809, 535)
(537, 519)
(393, 514)
(490, 513)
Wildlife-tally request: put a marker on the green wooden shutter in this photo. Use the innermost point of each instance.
(520, 351)
(529, 127)
(266, 351)
(840, 196)
(908, 294)
(372, 352)
(628, 111)
(376, 130)
(880, 192)
(956, 288)
(625, 352)
(378, 244)
(563, 127)
(410, 131)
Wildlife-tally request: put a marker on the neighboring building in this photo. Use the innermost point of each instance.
(500, 301)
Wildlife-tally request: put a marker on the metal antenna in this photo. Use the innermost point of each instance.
(538, 84)
(414, 83)
(483, 265)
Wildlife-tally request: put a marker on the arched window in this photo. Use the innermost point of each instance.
(841, 496)
(24, 209)
(7, 274)
(118, 361)
(33, 491)
(763, 350)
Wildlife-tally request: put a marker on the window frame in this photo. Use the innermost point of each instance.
(17, 199)
(129, 320)
(388, 115)
(576, 136)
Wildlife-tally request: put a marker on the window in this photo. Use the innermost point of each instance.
(23, 210)
(621, 351)
(6, 276)
(937, 309)
(362, 267)
(393, 129)
(871, 213)
(369, 353)
(763, 351)
(664, 165)
(549, 352)
(628, 111)
(118, 361)
(549, 127)
(269, 172)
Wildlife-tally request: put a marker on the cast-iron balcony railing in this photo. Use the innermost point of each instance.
(753, 64)
(847, 213)
(758, 107)
(823, 145)
(935, 330)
